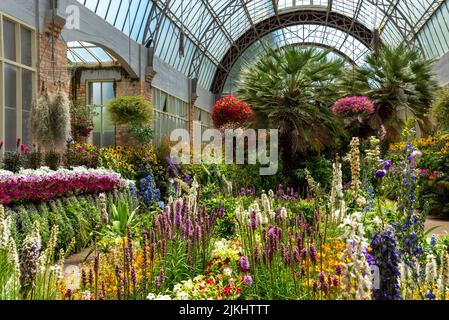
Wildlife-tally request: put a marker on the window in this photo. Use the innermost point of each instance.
(17, 81)
(99, 95)
(169, 113)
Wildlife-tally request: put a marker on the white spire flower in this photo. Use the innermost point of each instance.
(431, 269)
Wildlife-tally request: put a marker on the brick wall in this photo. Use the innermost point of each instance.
(124, 87)
(53, 73)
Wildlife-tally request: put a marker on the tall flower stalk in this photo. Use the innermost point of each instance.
(356, 276)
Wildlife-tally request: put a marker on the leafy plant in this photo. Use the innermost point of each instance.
(82, 120)
(130, 110)
(440, 109)
(142, 133)
(396, 79)
(53, 160)
(121, 218)
(292, 90)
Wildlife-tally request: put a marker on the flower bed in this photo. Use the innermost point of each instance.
(44, 185)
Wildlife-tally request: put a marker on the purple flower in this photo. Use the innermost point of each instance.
(247, 280)
(254, 220)
(312, 253)
(244, 264)
(380, 174)
(387, 164)
(338, 270)
(322, 277)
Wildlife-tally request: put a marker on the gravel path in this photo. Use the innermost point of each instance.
(71, 270)
(442, 224)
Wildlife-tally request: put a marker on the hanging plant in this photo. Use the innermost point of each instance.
(82, 121)
(230, 110)
(130, 110)
(50, 121)
(354, 107)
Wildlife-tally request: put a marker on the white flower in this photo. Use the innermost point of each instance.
(377, 222)
(361, 201)
(86, 295)
(284, 214)
(228, 271)
(431, 269)
(182, 295)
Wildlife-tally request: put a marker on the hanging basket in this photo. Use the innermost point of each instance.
(354, 109)
(230, 110)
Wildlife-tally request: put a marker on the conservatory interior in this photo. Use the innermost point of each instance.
(224, 150)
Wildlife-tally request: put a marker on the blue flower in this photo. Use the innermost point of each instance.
(387, 164)
(380, 174)
(148, 194)
(386, 257)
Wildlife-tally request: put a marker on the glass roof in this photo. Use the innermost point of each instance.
(86, 53)
(343, 45)
(211, 27)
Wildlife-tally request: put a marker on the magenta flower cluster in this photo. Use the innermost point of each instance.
(40, 186)
(354, 106)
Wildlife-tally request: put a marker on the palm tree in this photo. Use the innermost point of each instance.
(292, 89)
(396, 79)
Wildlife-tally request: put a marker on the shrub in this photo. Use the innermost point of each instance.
(13, 161)
(52, 160)
(130, 110)
(35, 159)
(82, 155)
(142, 133)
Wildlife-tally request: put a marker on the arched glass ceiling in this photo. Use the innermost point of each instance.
(343, 45)
(80, 52)
(420, 22)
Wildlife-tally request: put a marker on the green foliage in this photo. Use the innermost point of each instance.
(121, 218)
(76, 218)
(34, 159)
(82, 120)
(142, 133)
(130, 110)
(440, 109)
(13, 161)
(292, 89)
(225, 226)
(52, 159)
(321, 169)
(398, 78)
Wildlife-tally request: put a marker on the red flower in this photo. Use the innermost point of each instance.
(227, 261)
(208, 272)
(231, 110)
(210, 281)
(220, 265)
(227, 290)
